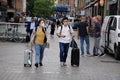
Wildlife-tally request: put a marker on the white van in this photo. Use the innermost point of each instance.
(110, 35)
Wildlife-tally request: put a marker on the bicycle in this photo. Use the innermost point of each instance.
(11, 33)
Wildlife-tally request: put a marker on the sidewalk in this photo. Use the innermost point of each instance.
(91, 68)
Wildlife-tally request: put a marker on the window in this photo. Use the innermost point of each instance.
(119, 23)
(114, 24)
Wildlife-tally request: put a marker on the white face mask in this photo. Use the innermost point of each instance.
(42, 24)
(65, 23)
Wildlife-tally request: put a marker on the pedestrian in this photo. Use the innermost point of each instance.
(83, 35)
(16, 18)
(97, 36)
(39, 39)
(58, 23)
(52, 29)
(31, 26)
(99, 18)
(46, 24)
(65, 34)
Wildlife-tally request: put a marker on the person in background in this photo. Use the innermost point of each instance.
(16, 18)
(39, 39)
(58, 23)
(52, 29)
(31, 26)
(99, 18)
(65, 34)
(83, 35)
(97, 36)
(46, 24)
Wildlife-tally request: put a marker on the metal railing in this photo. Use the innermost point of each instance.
(12, 31)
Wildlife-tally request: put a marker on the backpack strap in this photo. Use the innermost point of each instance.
(62, 27)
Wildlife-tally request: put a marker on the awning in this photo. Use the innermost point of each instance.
(90, 4)
(62, 8)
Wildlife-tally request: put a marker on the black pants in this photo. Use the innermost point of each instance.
(31, 30)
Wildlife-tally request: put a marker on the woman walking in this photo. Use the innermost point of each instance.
(39, 39)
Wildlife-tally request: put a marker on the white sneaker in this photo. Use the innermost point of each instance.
(61, 64)
(82, 55)
(64, 64)
(88, 55)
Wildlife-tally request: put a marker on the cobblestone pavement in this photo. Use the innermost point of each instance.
(91, 68)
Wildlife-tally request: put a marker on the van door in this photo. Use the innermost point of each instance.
(107, 32)
(112, 34)
(104, 31)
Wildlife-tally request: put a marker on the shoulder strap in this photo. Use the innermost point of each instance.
(62, 27)
(43, 30)
(69, 26)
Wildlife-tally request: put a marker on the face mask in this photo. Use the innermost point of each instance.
(65, 23)
(42, 24)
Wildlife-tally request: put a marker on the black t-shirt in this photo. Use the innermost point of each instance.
(82, 29)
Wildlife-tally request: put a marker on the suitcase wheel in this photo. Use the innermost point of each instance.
(24, 65)
(30, 65)
(73, 65)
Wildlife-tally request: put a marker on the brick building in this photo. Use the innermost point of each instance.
(9, 8)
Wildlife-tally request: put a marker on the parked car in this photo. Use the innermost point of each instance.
(110, 35)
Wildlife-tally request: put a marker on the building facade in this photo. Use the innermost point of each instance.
(102, 7)
(3, 9)
(9, 8)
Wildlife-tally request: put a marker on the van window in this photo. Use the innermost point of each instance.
(119, 23)
(113, 24)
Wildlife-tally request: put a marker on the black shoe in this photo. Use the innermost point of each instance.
(36, 65)
(95, 54)
(41, 64)
(102, 54)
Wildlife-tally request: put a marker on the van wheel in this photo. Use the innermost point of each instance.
(117, 54)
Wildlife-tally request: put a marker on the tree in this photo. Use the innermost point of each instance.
(43, 8)
(30, 6)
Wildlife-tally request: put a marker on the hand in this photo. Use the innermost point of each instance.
(63, 36)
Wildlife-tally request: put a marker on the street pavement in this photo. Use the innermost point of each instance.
(91, 68)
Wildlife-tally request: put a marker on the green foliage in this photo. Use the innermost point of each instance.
(43, 8)
(29, 9)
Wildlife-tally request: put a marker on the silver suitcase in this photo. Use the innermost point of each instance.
(28, 53)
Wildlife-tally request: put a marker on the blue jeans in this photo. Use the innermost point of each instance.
(39, 52)
(64, 47)
(96, 45)
(86, 38)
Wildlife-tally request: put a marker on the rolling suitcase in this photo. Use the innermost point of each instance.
(28, 53)
(75, 53)
(75, 57)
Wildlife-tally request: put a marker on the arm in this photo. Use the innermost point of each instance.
(78, 35)
(87, 28)
(32, 37)
(59, 34)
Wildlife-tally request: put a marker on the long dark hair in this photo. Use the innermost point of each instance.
(40, 21)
